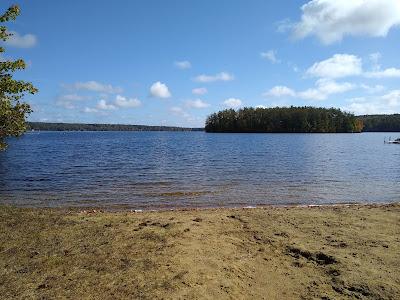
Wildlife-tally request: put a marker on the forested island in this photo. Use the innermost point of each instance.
(102, 127)
(284, 119)
(381, 123)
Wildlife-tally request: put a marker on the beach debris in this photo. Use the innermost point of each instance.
(249, 207)
(91, 211)
(256, 237)
(197, 219)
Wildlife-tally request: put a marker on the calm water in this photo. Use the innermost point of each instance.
(175, 169)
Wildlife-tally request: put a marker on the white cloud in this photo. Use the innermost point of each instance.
(386, 104)
(270, 55)
(284, 25)
(90, 110)
(312, 94)
(387, 73)
(21, 41)
(223, 76)
(73, 97)
(363, 108)
(95, 86)
(261, 106)
(373, 89)
(328, 86)
(343, 65)
(199, 91)
(103, 105)
(331, 20)
(392, 99)
(183, 64)
(66, 104)
(176, 110)
(121, 101)
(339, 65)
(67, 101)
(197, 103)
(233, 103)
(375, 57)
(323, 88)
(160, 90)
(280, 91)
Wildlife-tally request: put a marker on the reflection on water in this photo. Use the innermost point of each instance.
(175, 169)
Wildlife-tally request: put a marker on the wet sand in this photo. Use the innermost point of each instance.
(329, 252)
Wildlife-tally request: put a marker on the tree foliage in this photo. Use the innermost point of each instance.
(12, 110)
(283, 119)
(381, 123)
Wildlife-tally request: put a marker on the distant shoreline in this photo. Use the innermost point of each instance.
(45, 126)
(373, 123)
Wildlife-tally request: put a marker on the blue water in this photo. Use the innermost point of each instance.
(154, 170)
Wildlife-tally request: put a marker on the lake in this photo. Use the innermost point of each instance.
(153, 170)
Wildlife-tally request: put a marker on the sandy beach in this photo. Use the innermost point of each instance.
(328, 252)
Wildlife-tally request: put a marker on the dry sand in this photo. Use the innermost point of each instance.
(265, 253)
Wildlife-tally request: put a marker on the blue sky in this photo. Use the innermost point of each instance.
(174, 62)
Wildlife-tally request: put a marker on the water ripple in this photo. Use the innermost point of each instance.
(171, 169)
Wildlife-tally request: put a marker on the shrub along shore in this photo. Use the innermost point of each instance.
(329, 252)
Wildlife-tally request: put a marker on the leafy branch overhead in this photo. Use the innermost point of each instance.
(13, 111)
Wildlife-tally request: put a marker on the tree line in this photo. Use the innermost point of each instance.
(283, 119)
(101, 127)
(381, 123)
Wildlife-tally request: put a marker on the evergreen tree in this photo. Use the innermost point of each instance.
(283, 119)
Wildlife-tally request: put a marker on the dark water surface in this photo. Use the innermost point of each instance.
(179, 169)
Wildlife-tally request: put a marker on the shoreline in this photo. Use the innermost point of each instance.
(341, 251)
(222, 208)
(121, 209)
